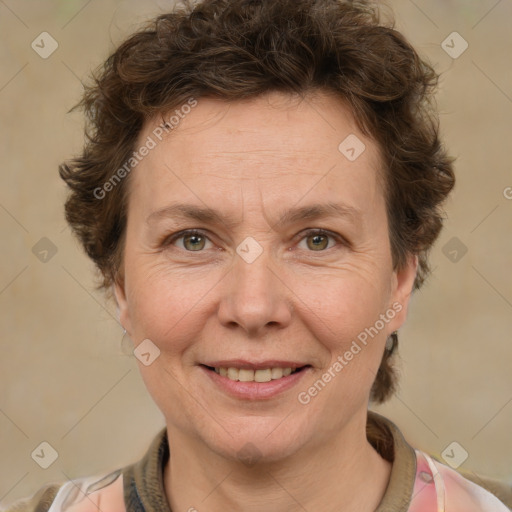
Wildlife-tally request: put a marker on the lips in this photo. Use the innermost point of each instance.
(263, 371)
(261, 380)
(250, 375)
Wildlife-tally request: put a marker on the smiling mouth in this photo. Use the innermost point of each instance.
(250, 375)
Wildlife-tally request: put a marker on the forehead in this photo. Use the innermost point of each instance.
(287, 144)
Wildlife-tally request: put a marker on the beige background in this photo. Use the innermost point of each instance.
(65, 378)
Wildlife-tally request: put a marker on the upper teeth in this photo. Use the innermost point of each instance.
(245, 375)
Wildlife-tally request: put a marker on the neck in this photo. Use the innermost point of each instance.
(341, 471)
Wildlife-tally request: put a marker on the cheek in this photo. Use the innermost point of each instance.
(346, 301)
(343, 312)
(346, 318)
(165, 303)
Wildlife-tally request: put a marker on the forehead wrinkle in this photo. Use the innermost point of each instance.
(282, 165)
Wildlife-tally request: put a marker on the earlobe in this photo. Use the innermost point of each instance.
(118, 289)
(407, 276)
(403, 285)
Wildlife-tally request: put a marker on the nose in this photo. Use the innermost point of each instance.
(255, 297)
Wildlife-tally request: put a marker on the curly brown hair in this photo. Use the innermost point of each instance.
(240, 49)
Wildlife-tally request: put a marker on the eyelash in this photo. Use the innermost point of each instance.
(307, 233)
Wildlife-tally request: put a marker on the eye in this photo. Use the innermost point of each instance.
(317, 240)
(193, 240)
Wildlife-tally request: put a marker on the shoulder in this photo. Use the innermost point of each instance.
(106, 493)
(500, 489)
(459, 493)
(88, 494)
(420, 483)
(40, 501)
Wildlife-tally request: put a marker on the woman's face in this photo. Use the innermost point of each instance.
(256, 287)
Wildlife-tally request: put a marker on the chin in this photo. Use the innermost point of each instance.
(264, 444)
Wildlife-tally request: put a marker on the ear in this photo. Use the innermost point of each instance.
(401, 289)
(119, 290)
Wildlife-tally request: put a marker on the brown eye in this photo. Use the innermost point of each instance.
(318, 240)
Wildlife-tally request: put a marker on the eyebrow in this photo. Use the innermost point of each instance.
(294, 215)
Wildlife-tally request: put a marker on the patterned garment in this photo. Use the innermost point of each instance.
(437, 488)
(418, 483)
